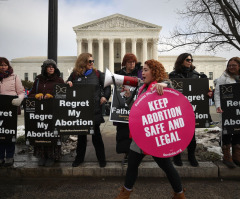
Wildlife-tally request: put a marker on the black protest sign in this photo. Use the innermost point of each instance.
(119, 109)
(8, 119)
(230, 104)
(38, 115)
(74, 109)
(195, 90)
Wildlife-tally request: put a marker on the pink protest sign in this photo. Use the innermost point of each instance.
(162, 125)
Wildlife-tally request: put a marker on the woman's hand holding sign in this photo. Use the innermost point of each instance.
(159, 88)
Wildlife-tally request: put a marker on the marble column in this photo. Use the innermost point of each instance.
(111, 55)
(79, 46)
(155, 48)
(123, 48)
(134, 46)
(100, 55)
(90, 45)
(144, 50)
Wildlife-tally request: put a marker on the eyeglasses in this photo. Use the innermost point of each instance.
(90, 61)
(189, 60)
(50, 66)
(233, 66)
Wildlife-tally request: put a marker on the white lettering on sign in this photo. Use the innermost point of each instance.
(1, 121)
(42, 125)
(7, 131)
(176, 124)
(78, 122)
(74, 113)
(40, 134)
(167, 139)
(154, 130)
(195, 97)
(233, 103)
(120, 111)
(73, 104)
(39, 117)
(237, 111)
(157, 104)
(231, 122)
(6, 113)
(161, 115)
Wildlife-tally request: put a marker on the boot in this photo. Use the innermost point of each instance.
(236, 154)
(124, 194)
(192, 159)
(179, 195)
(177, 160)
(227, 158)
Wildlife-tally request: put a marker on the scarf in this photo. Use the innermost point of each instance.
(6, 74)
(144, 86)
(88, 72)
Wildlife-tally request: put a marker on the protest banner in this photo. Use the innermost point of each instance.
(195, 91)
(161, 125)
(119, 109)
(8, 119)
(230, 104)
(38, 115)
(74, 109)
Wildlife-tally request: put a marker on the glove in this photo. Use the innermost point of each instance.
(16, 101)
(39, 96)
(47, 96)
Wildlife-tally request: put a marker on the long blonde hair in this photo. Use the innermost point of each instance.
(81, 64)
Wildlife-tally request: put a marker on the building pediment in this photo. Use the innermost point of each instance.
(116, 21)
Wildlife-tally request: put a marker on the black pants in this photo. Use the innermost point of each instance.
(192, 146)
(231, 139)
(122, 138)
(134, 160)
(7, 150)
(97, 143)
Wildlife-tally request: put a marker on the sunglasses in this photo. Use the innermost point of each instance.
(189, 60)
(233, 66)
(90, 61)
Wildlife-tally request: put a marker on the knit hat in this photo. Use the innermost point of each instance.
(47, 63)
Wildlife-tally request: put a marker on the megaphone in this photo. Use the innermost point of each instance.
(120, 79)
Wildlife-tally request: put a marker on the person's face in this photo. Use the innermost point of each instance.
(3, 67)
(188, 61)
(90, 63)
(130, 65)
(147, 75)
(50, 70)
(233, 67)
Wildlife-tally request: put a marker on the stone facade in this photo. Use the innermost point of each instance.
(108, 39)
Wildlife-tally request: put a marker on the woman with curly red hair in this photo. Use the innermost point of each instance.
(154, 77)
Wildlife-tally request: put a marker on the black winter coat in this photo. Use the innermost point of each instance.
(98, 81)
(122, 136)
(137, 72)
(44, 85)
(186, 74)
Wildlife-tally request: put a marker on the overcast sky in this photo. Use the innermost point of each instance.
(24, 23)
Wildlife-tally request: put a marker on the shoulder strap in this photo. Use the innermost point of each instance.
(37, 85)
(97, 73)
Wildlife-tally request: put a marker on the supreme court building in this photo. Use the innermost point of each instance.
(109, 39)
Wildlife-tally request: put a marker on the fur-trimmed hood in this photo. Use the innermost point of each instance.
(47, 63)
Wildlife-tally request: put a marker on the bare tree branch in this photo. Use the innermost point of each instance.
(215, 25)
